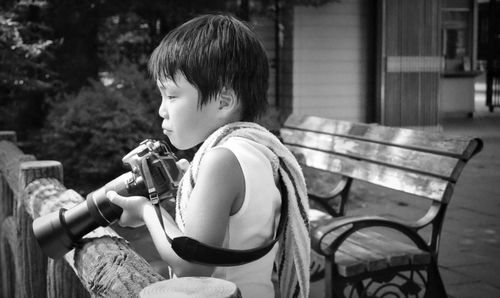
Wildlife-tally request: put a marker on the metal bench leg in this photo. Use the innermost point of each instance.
(334, 286)
(435, 286)
(336, 290)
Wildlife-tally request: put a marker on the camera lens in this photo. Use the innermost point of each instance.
(58, 232)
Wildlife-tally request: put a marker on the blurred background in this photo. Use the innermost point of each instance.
(74, 86)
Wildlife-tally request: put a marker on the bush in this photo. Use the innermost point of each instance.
(89, 132)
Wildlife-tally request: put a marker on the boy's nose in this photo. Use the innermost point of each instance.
(162, 111)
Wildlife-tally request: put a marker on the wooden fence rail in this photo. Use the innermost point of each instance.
(104, 265)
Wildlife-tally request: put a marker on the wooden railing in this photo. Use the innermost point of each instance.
(104, 265)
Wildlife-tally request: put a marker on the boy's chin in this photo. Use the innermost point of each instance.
(181, 145)
(184, 143)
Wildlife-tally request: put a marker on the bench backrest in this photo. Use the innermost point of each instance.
(425, 164)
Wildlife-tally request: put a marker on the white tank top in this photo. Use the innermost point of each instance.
(255, 223)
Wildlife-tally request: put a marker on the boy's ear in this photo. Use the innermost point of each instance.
(228, 102)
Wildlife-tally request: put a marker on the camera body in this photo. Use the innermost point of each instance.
(153, 173)
(152, 156)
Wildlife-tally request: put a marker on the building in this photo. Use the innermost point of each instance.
(395, 62)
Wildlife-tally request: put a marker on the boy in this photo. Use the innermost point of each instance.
(212, 73)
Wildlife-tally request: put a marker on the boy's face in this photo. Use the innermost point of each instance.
(184, 123)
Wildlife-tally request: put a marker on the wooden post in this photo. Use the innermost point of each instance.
(31, 263)
(62, 280)
(109, 267)
(42, 196)
(105, 263)
(10, 159)
(10, 244)
(7, 276)
(6, 199)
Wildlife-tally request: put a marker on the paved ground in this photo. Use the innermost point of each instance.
(470, 247)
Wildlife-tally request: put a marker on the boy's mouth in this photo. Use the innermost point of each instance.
(165, 128)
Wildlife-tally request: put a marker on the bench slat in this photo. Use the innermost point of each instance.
(421, 162)
(417, 256)
(372, 251)
(371, 260)
(347, 265)
(418, 184)
(454, 146)
(394, 255)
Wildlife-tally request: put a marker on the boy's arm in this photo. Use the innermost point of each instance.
(219, 189)
(178, 265)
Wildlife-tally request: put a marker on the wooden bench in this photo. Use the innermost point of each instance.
(369, 255)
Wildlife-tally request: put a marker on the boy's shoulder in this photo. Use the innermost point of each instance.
(251, 152)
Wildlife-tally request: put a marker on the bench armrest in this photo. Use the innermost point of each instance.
(356, 223)
(337, 190)
(433, 213)
(341, 189)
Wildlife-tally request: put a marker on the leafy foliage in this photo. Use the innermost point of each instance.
(91, 130)
(26, 51)
(124, 37)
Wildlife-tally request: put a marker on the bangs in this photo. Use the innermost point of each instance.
(207, 52)
(164, 62)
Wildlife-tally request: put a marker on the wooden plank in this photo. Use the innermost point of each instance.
(417, 256)
(416, 161)
(454, 146)
(369, 258)
(394, 255)
(350, 258)
(347, 265)
(418, 184)
(370, 251)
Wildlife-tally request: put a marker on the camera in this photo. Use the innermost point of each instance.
(153, 174)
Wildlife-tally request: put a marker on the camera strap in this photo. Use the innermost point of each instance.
(195, 251)
(152, 192)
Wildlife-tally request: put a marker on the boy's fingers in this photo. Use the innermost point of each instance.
(183, 164)
(114, 198)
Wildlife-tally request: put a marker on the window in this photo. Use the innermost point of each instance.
(457, 35)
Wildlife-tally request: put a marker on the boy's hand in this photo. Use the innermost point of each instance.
(133, 208)
(182, 165)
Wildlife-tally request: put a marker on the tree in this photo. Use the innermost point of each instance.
(26, 51)
(91, 130)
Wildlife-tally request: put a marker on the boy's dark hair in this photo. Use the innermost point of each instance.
(215, 52)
